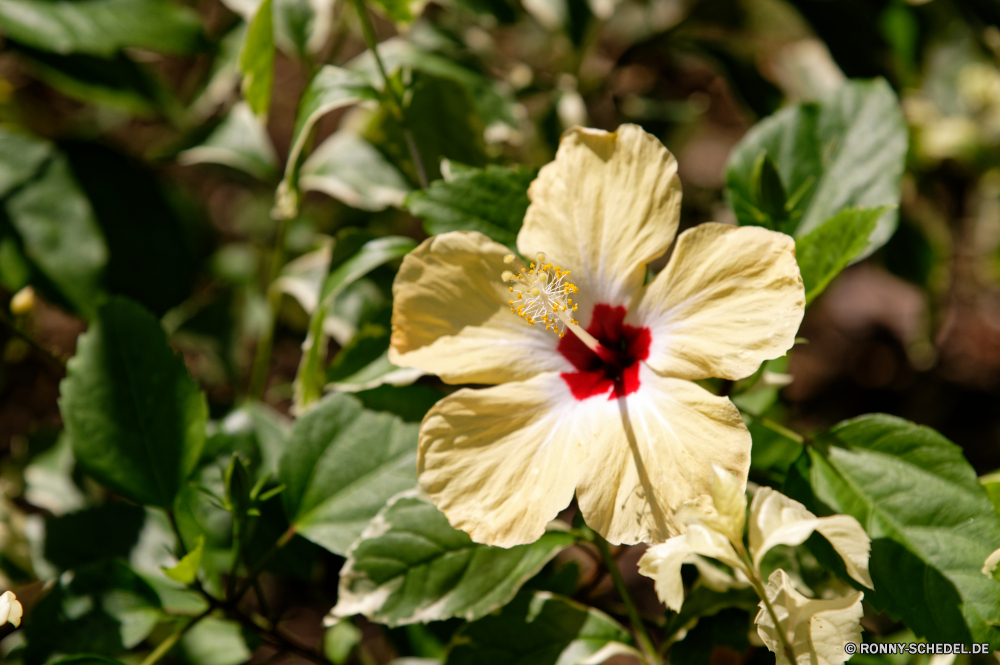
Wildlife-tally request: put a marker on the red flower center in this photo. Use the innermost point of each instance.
(617, 371)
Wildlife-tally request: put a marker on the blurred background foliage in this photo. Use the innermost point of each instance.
(142, 143)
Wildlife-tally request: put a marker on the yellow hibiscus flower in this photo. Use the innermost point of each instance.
(597, 396)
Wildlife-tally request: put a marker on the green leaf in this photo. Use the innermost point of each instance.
(301, 27)
(847, 151)
(103, 610)
(830, 247)
(397, 10)
(311, 376)
(991, 483)
(60, 235)
(492, 201)
(240, 142)
(542, 629)
(411, 403)
(341, 464)
(410, 566)
(257, 60)
(153, 262)
(444, 122)
(116, 82)
(705, 602)
(134, 415)
(186, 570)
(494, 104)
(101, 27)
(215, 642)
(93, 534)
(931, 522)
(768, 191)
(86, 660)
(21, 157)
(331, 88)
(339, 641)
(350, 169)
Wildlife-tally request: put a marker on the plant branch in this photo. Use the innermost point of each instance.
(276, 638)
(397, 103)
(645, 643)
(166, 645)
(758, 586)
(264, 560)
(262, 356)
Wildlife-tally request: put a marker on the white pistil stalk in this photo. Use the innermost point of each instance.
(543, 294)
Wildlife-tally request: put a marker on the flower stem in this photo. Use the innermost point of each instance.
(262, 356)
(758, 585)
(166, 645)
(397, 104)
(645, 643)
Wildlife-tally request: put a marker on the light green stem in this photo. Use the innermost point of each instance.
(645, 643)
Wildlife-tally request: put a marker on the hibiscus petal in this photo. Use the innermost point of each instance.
(451, 315)
(729, 299)
(653, 451)
(663, 562)
(605, 207)
(776, 519)
(816, 629)
(502, 462)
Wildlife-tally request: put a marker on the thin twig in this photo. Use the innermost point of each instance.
(645, 643)
(166, 645)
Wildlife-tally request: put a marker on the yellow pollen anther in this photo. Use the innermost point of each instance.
(542, 294)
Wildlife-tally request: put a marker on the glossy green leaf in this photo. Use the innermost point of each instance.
(542, 629)
(186, 570)
(410, 566)
(492, 201)
(341, 464)
(311, 376)
(60, 235)
(240, 142)
(331, 88)
(830, 247)
(991, 482)
(350, 169)
(101, 27)
(257, 60)
(134, 415)
(397, 10)
(847, 151)
(932, 524)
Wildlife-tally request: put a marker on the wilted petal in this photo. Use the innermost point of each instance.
(729, 299)
(450, 315)
(816, 629)
(991, 563)
(10, 609)
(652, 452)
(663, 562)
(502, 462)
(776, 519)
(606, 206)
(729, 501)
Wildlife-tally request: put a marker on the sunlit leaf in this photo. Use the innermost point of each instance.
(257, 60)
(341, 464)
(826, 250)
(847, 151)
(240, 142)
(932, 524)
(410, 566)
